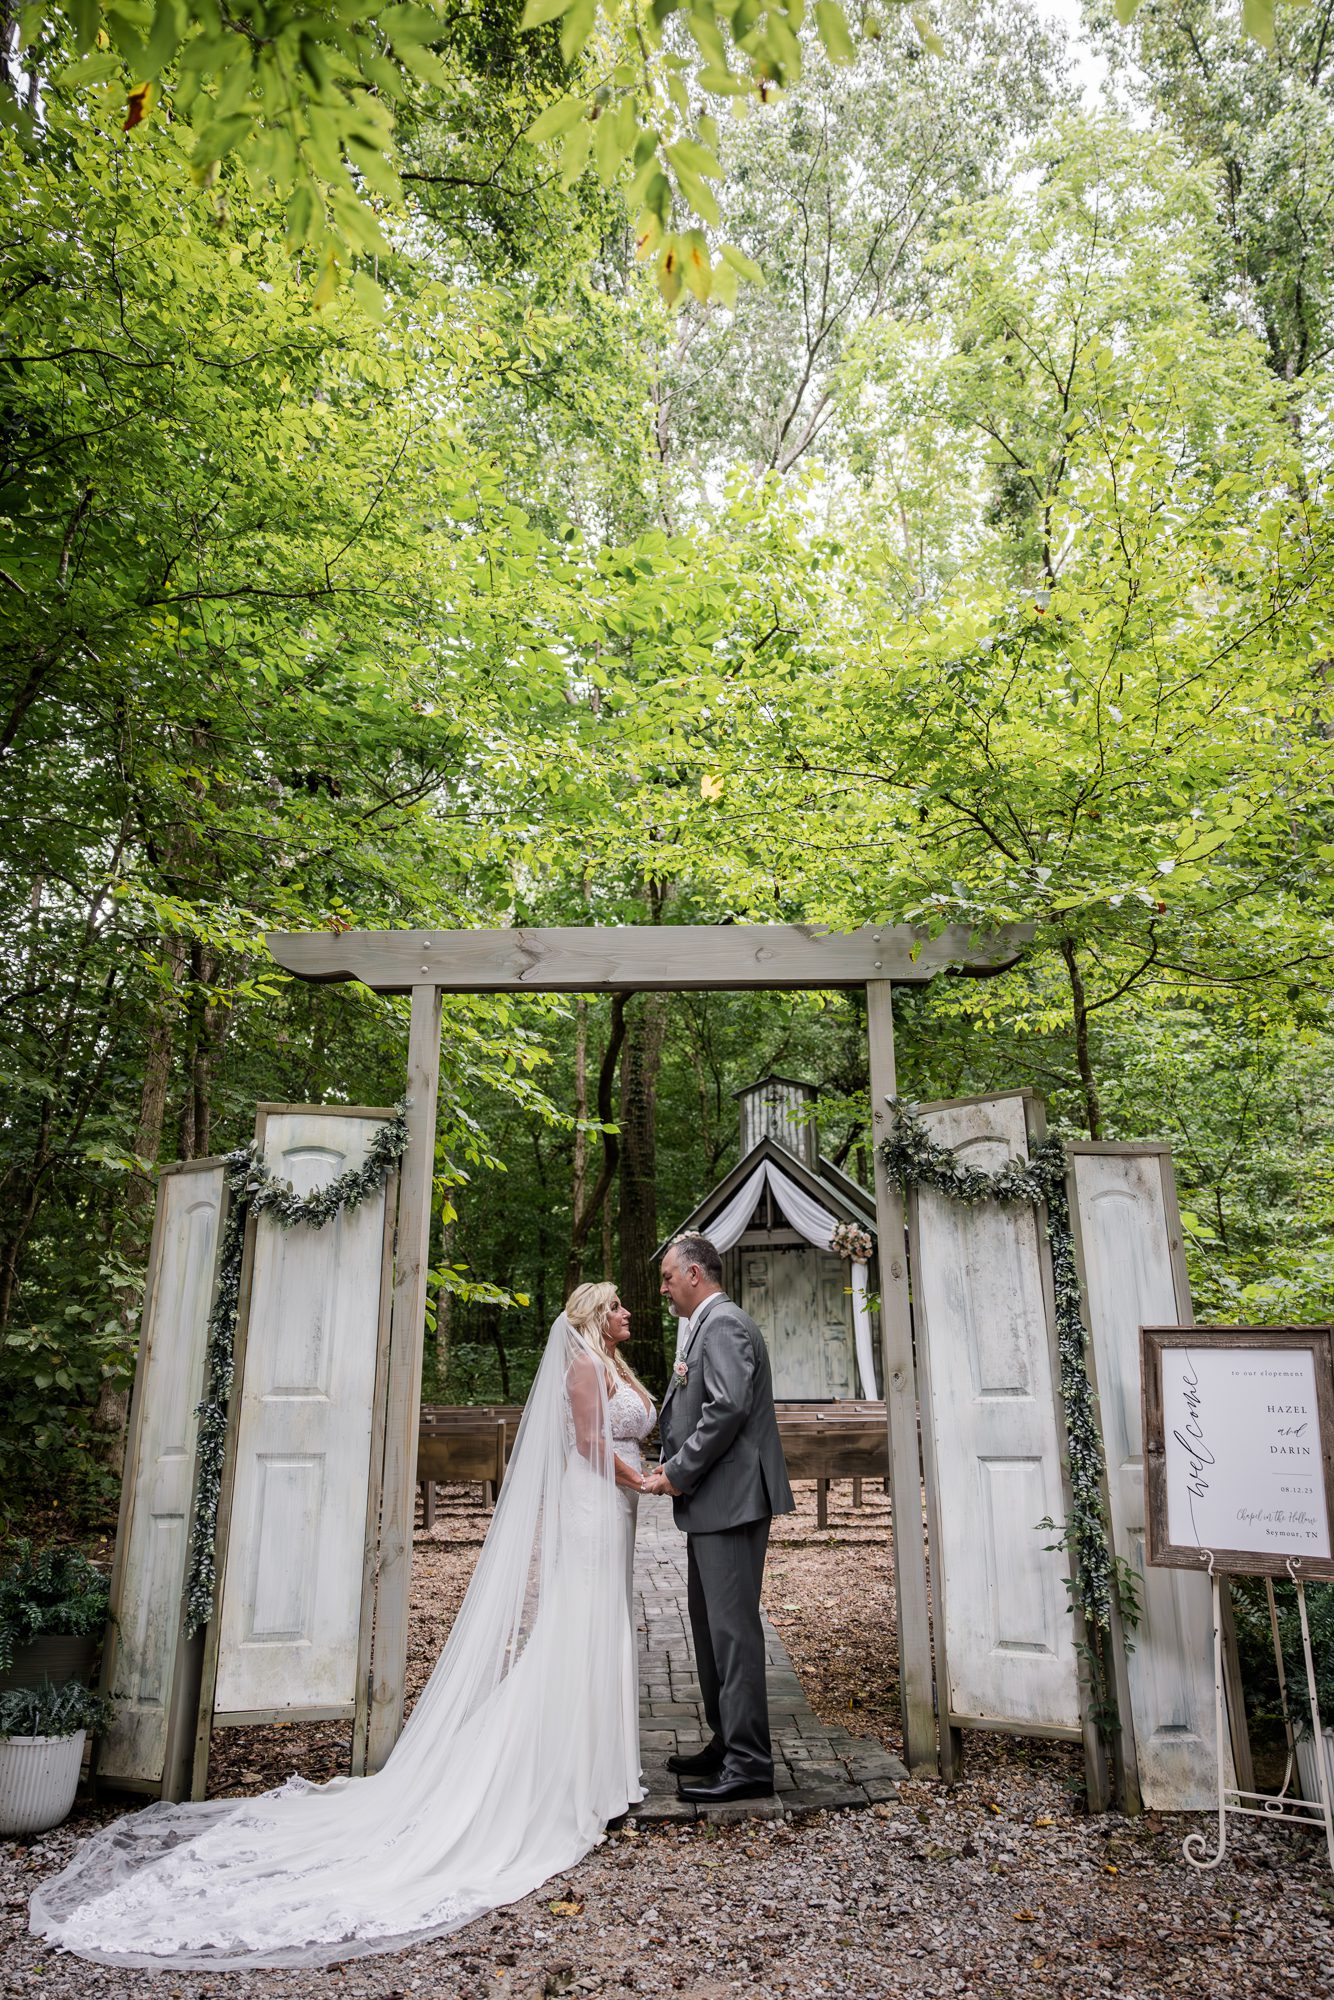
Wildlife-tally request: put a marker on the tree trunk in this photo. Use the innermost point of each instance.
(586, 1211)
(113, 1403)
(1079, 1003)
(641, 1058)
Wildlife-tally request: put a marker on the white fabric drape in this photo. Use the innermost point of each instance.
(813, 1221)
(511, 1763)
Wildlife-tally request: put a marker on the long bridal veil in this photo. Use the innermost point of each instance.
(508, 1768)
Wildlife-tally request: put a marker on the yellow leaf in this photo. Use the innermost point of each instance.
(1024, 1917)
(566, 1907)
(669, 271)
(697, 264)
(648, 234)
(710, 786)
(328, 283)
(1046, 1820)
(137, 106)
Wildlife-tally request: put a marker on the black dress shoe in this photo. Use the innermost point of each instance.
(724, 1790)
(701, 1765)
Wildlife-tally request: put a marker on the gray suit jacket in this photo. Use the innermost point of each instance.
(720, 1441)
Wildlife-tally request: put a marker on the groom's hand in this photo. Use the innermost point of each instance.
(658, 1482)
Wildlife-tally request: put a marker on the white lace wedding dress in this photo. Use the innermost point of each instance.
(520, 1748)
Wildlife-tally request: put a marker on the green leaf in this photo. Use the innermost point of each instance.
(744, 266)
(88, 70)
(410, 24)
(370, 162)
(927, 35)
(302, 214)
(724, 284)
(1257, 18)
(87, 18)
(1126, 11)
(700, 196)
(578, 27)
(369, 296)
(574, 153)
(556, 119)
(695, 158)
(219, 139)
(165, 37)
(608, 151)
(834, 31)
(538, 11)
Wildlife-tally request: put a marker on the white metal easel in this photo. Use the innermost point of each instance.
(1266, 1805)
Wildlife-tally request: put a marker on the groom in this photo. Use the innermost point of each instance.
(723, 1466)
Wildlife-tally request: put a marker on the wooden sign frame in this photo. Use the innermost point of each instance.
(1155, 1341)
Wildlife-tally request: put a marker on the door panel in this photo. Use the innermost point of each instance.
(169, 1383)
(1125, 1237)
(990, 1399)
(292, 1587)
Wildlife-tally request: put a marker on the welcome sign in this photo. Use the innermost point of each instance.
(1239, 1447)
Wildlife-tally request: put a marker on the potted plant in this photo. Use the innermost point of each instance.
(53, 1606)
(42, 1732)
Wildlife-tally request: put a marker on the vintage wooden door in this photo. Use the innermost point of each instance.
(1128, 1233)
(305, 1452)
(150, 1669)
(993, 1440)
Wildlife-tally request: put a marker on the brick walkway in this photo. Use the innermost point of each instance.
(817, 1765)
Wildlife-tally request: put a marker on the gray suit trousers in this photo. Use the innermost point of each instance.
(724, 1571)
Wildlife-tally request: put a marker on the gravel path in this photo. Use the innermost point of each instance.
(998, 1886)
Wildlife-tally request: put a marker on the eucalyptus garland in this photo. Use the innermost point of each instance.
(256, 1190)
(914, 1158)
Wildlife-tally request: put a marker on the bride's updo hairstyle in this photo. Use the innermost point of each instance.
(588, 1309)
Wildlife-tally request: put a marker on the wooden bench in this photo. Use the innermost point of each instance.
(458, 1445)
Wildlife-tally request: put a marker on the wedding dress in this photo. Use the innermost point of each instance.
(631, 1420)
(521, 1746)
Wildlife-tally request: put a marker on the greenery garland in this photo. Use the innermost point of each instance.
(914, 1158)
(256, 1190)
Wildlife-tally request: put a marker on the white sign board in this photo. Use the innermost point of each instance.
(1240, 1429)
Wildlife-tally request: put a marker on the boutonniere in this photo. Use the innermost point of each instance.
(680, 1371)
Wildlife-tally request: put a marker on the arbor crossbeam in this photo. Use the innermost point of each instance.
(613, 958)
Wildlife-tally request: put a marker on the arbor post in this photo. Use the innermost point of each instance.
(403, 1413)
(916, 1694)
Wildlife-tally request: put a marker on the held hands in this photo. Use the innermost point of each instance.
(658, 1482)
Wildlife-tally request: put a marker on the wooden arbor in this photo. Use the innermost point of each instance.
(608, 959)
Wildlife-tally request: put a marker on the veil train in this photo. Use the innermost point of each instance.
(506, 1772)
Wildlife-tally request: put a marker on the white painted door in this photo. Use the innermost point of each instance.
(292, 1586)
(989, 1398)
(1125, 1229)
(155, 1535)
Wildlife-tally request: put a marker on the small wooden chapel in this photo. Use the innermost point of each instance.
(774, 1217)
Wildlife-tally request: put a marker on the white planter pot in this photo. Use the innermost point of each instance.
(39, 1776)
(1307, 1768)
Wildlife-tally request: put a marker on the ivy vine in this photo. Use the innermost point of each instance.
(256, 1190)
(1098, 1578)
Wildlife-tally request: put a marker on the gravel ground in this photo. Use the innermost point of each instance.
(999, 1885)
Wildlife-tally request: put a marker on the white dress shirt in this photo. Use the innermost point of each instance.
(687, 1328)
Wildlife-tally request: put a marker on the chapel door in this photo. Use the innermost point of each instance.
(835, 1324)
(797, 1346)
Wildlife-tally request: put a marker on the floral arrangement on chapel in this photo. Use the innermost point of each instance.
(848, 1240)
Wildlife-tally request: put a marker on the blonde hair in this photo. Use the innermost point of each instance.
(588, 1309)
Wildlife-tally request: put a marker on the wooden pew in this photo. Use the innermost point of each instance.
(821, 1441)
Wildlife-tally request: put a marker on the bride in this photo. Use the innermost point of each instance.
(522, 1745)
